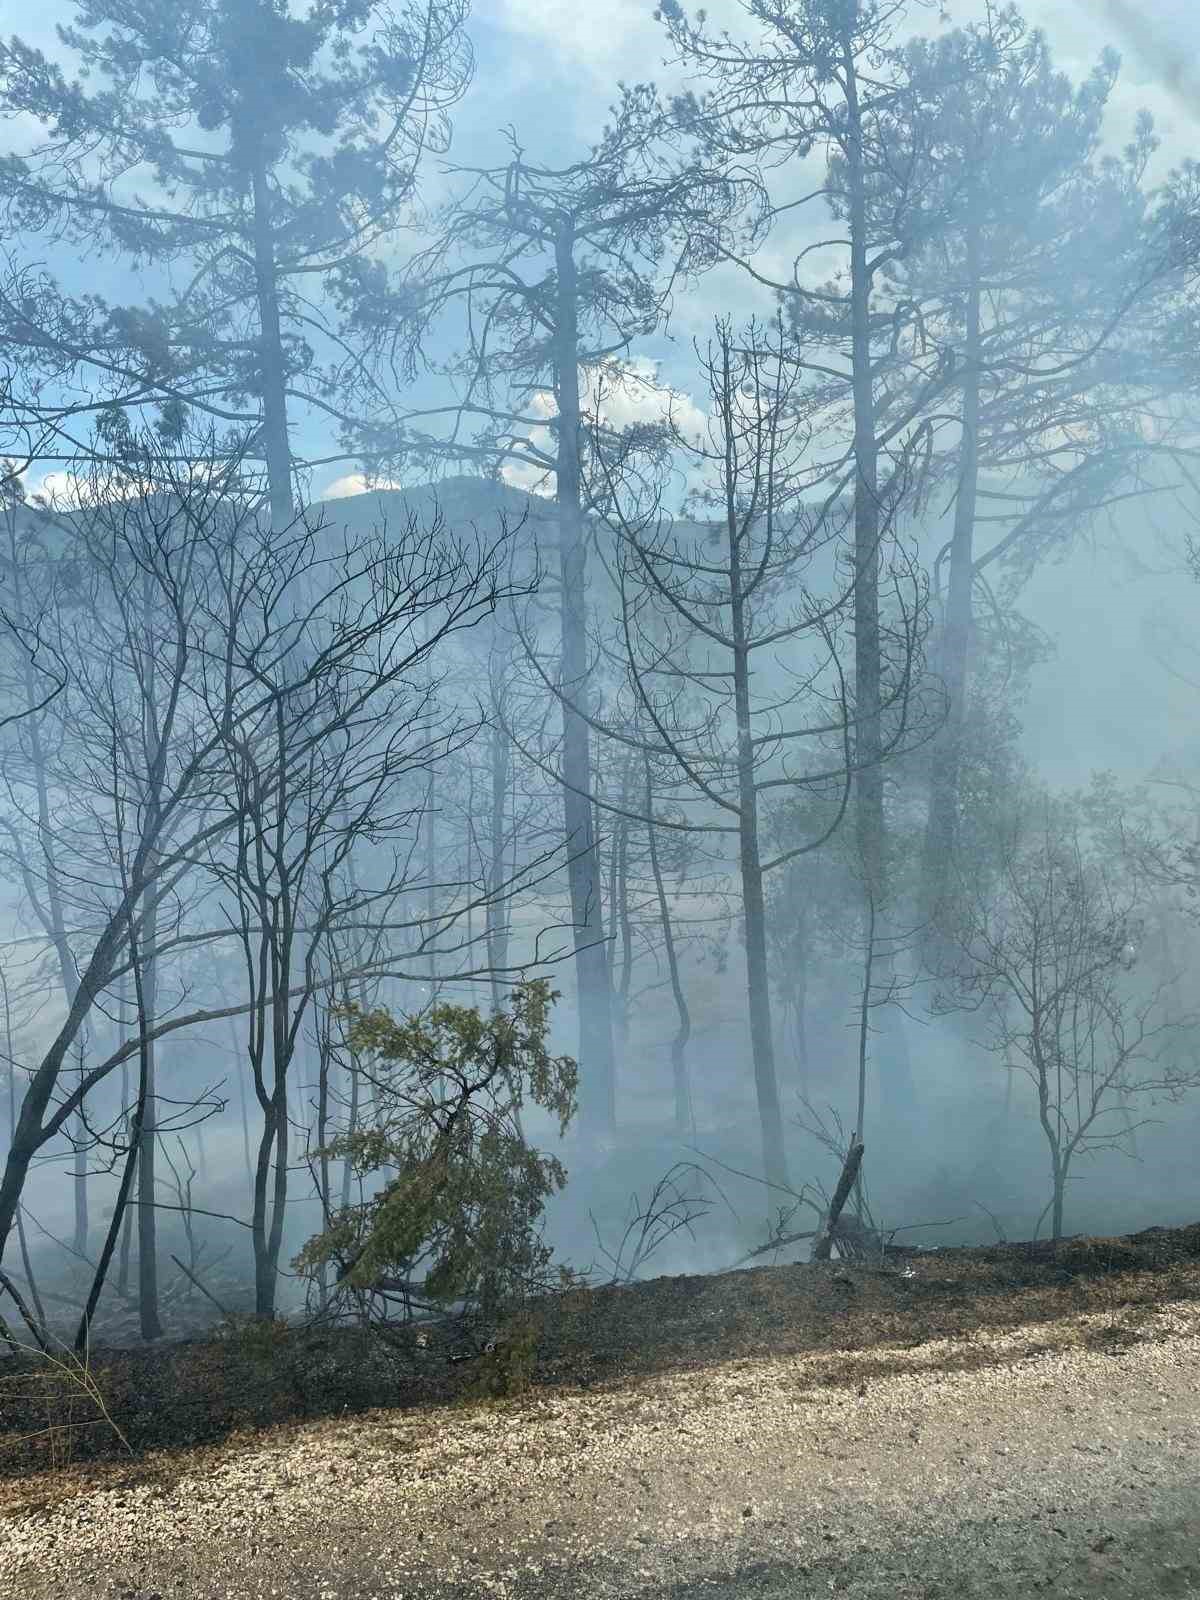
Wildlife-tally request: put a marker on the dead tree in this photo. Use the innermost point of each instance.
(705, 605)
(557, 270)
(248, 628)
(1047, 963)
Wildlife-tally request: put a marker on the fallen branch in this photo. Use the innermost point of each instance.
(774, 1244)
(201, 1287)
(843, 1232)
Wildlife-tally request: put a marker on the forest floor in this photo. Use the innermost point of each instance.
(937, 1323)
(194, 1393)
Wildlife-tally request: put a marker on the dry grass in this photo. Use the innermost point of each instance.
(56, 1385)
(150, 1413)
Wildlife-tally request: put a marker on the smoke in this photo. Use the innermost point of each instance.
(1174, 61)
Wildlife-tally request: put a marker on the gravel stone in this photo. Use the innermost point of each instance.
(1071, 1471)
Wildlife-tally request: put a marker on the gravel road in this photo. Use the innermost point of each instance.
(1008, 1471)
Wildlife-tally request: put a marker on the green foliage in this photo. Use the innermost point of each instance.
(467, 1199)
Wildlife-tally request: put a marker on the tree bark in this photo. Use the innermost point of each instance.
(762, 1042)
(684, 1118)
(895, 1067)
(596, 1068)
(942, 820)
(271, 367)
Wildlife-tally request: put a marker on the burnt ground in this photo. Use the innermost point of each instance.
(177, 1404)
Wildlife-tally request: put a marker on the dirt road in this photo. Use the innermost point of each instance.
(1067, 1464)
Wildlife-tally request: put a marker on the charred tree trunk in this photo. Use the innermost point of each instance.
(146, 983)
(275, 1040)
(846, 1182)
(272, 377)
(122, 1214)
(22, 1240)
(597, 1086)
(942, 819)
(762, 1042)
(270, 1171)
(685, 1120)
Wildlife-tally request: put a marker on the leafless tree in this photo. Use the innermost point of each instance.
(706, 606)
(247, 627)
(299, 826)
(1050, 966)
(558, 270)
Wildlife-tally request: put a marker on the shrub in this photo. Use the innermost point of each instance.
(467, 1201)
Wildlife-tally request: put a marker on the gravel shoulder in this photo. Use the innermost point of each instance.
(1054, 1454)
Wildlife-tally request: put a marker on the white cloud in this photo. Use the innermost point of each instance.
(628, 394)
(352, 483)
(71, 491)
(1159, 45)
(638, 394)
(524, 475)
(617, 38)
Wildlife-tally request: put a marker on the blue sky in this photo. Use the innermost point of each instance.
(551, 67)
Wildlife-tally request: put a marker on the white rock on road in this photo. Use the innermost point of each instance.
(1071, 1472)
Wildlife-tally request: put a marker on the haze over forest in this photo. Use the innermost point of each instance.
(723, 549)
